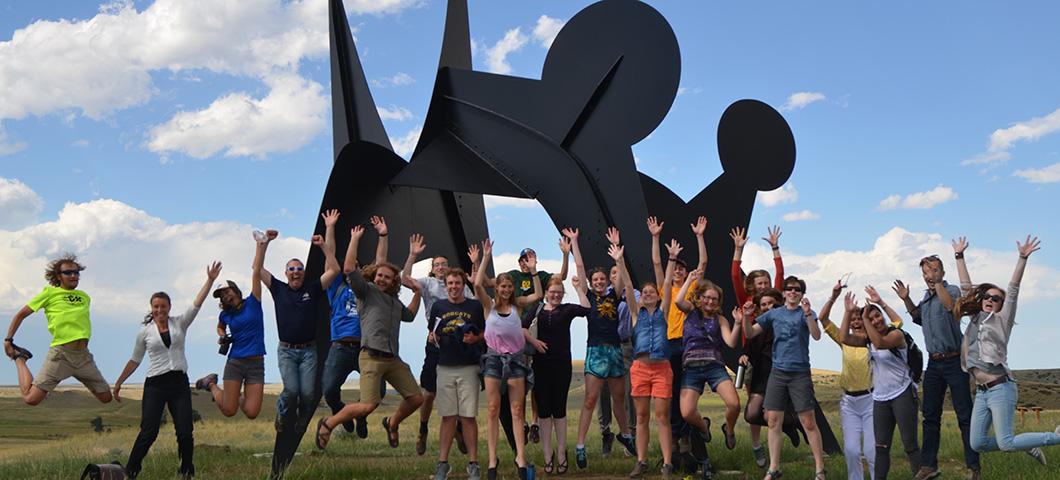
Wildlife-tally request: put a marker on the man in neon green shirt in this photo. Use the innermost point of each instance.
(66, 308)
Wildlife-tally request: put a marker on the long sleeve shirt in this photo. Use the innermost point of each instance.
(164, 359)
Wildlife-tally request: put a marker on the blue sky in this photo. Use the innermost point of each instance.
(153, 136)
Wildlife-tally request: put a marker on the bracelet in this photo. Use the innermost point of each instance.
(775, 248)
(958, 255)
(1024, 256)
(673, 259)
(384, 234)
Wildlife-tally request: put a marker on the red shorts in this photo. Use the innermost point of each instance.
(651, 379)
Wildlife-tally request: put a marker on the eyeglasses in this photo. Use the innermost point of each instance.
(295, 269)
(710, 299)
(994, 298)
(793, 288)
(71, 273)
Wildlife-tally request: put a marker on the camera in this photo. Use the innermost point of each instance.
(226, 343)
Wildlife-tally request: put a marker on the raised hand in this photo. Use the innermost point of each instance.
(615, 252)
(331, 217)
(674, 248)
(571, 233)
(317, 240)
(410, 282)
(748, 308)
(356, 232)
(487, 248)
(655, 226)
(1030, 246)
(531, 263)
(213, 270)
(901, 289)
(379, 223)
(874, 297)
(774, 237)
(271, 235)
(416, 244)
(737, 314)
(694, 274)
(960, 244)
(700, 226)
(564, 245)
(805, 306)
(613, 236)
(836, 289)
(576, 281)
(473, 253)
(849, 301)
(739, 236)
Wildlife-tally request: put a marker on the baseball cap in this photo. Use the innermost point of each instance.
(526, 252)
(217, 289)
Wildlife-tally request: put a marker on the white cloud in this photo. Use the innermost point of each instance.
(685, 90)
(380, 7)
(497, 55)
(1049, 174)
(406, 144)
(394, 113)
(1003, 139)
(82, 143)
(397, 80)
(920, 200)
(9, 148)
(19, 204)
(785, 194)
(546, 29)
(801, 100)
(294, 111)
(800, 216)
(493, 201)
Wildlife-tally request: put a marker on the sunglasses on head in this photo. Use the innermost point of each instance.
(295, 269)
(994, 298)
(793, 288)
(71, 273)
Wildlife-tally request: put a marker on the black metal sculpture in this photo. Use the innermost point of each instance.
(564, 140)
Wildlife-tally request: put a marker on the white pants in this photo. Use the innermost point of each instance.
(858, 437)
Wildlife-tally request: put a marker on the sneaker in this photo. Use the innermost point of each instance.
(473, 472)
(460, 439)
(607, 441)
(629, 447)
(760, 456)
(421, 439)
(1037, 454)
(491, 473)
(205, 382)
(441, 472)
(580, 457)
(927, 473)
(667, 471)
(362, 427)
(535, 433)
(639, 470)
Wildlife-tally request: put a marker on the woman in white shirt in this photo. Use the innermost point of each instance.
(162, 338)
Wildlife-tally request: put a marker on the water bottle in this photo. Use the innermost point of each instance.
(530, 475)
(259, 236)
(741, 372)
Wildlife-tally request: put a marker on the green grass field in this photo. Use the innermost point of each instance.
(55, 440)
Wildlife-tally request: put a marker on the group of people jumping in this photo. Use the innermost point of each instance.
(652, 351)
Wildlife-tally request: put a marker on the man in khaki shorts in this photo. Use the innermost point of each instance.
(66, 309)
(381, 316)
(456, 324)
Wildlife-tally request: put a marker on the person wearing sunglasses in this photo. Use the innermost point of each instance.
(789, 380)
(66, 309)
(984, 354)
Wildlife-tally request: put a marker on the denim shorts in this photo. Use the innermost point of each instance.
(698, 375)
(604, 361)
(493, 366)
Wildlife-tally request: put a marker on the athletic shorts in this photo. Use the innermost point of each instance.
(458, 388)
(64, 362)
(604, 361)
(392, 369)
(712, 374)
(794, 386)
(250, 371)
(651, 379)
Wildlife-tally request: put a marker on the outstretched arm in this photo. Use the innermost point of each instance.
(739, 239)
(742, 316)
(383, 245)
(655, 228)
(416, 247)
(212, 271)
(959, 246)
(539, 292)
(1008, 309)
(565, 266)
(258, 272)
(774, 244)
(826, 311)
(480, 278)
(349, 264)
(614, 238)
(572, 235)
(331, 264)
(874, 297)
(902, 290)
(674, 249)
(699, 228)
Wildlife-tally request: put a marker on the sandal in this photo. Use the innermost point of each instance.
(548, 467)
(730, 436)
(391, 435)
(323, 436)
(774, 474)
(562, 467)
(820, 475)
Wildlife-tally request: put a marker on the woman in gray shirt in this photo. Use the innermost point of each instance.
(984, 355)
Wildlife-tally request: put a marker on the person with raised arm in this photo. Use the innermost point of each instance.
(503, 365)
(66, 309)
(162, 337)
(894, 393)
(382, 314)
(706, 332)
(625, 334)
(984, 354)
(651, 376)
(792, 325)
(345, 320)
(241, 334)
(603, 357)
(434, 288)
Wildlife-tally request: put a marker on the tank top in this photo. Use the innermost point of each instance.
(890, 374)
(504, 333)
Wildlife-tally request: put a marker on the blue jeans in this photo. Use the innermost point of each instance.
(938, 376)
(997, 406)
(298, 370)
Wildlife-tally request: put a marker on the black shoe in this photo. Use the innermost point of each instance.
(607, 440)
(629, 447)
(491, 473)
(522, 473)
(707, 437)
(362, 427)
(21, 352)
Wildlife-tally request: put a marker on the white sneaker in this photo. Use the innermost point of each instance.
(1037, 454)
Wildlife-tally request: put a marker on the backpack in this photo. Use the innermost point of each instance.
(103, 471)
(914, 357)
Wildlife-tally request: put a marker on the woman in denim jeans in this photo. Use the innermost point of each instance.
(984, 355)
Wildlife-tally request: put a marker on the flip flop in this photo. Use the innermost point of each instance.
(391, 435)
(325, 436)
(774, 474)
(562, 467)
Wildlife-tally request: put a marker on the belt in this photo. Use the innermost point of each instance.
(859, 393)
(944, 356)
(377, 353)
(988, 385)
(348, 343)
(297, 345)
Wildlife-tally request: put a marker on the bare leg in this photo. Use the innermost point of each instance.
(406, 408)
(428, 405)
(470, 429)
(662, 417)
(252, 396)
(30, 393)
(617, 388)
(546, 437)
(641, 405)
(776, 437)
(349, 412)
(728, 394)
(690, 409)
(560, 427)
(592, 394)
(813, 436)
(493, 410)
(227, 399)
(446, 434)
(517, 394)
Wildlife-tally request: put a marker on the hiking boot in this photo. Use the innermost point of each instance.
(639, 470)
(441, 472)
(421, 439)
(205, 382)
(927, 473)
(535, 433)
(1037, 454)
(473, 472)
(667, 471)
(607, 440)
(580, 457)
(628, 445)
(760, 456)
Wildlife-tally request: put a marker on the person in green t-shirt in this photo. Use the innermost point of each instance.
(66, 309)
